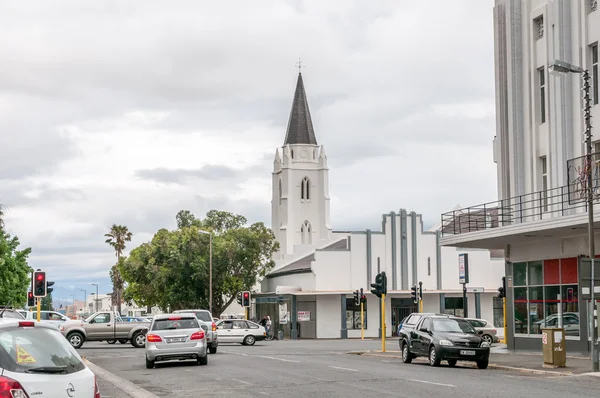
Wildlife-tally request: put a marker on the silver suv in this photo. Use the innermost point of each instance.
(208, 325)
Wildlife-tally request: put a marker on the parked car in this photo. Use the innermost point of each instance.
(176, 337)
(35, 360)
(442, 337)
(489, 331)
(240, 331)
(105, 326)
(210, 327)
(9, 312)
(52, 317)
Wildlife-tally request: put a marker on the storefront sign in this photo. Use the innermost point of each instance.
(283, 314)
(303, 316)
(463, 268)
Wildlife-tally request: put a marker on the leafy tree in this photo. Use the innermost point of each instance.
(2, 210)
(172, 270)
(14, 271)
(117, 236)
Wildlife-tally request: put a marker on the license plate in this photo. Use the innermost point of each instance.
(467, 352)
(176, 340)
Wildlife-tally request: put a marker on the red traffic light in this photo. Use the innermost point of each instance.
(246, 294)
(30, 294)
(40, 277)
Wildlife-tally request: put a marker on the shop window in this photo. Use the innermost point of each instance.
(569, 270)
(519, 274)
(454, 306)
(498, 312)
(521, 318)
(551, 272)
(353, 315)
(536, 309)
(535, 273)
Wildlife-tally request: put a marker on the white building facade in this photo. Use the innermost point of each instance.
(540, 218)
(318, 269)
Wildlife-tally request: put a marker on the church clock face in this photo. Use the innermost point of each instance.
(303, 153)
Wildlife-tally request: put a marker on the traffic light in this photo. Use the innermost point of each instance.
(413, 294)
(502, 289)
(30, 299)
(420, 290)
(356, 298)
(39, 284)
(246, 299)
(363, 298)
(239, 298)
(48, 288)
(380, 285)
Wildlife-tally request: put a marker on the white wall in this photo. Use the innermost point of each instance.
(483, 271)
(329, 321)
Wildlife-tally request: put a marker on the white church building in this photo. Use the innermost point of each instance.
(309, 293)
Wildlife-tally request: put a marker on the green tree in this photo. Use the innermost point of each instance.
(2, 210)
(14, 271)
(117, 236)
(46, 304)
(172, 270)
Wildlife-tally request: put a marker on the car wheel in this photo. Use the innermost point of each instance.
(123, 341)
(452, 362)
(138, 340)
(406, 355)
(487, 338)
(76, 339)
(203, 360)
(111, 341)
(433, 358)
(212, 349)
(149, 364)
(482, 364)
(249, 340)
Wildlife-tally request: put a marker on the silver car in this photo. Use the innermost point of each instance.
(175, 337)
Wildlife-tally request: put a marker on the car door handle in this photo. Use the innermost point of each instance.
(108, 325)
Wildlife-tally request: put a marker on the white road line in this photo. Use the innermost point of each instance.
(278, 359)
(337, 367)
(431, 382)
(243, 381)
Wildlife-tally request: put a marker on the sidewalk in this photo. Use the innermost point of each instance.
(502, 359)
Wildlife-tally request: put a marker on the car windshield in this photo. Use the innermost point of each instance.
(37, 350)
(170, 324)
(452, 326)
(12, 315)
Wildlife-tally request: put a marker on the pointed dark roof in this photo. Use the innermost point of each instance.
(300, 128)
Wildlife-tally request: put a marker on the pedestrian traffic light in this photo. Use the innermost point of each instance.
(48, 288)
(502, 289)
(413, 294)
(39, 284)
(363, 298)
(380, 285)
(356, 298)
(246, 299)
(30, 299)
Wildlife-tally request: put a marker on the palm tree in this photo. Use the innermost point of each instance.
(117, 236)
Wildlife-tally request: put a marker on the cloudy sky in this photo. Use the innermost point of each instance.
(126, 112)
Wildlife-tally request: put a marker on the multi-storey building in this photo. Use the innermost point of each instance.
(540, 217)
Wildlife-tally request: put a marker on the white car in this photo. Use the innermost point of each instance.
(240, 331)
(53, 317)
(36, 360)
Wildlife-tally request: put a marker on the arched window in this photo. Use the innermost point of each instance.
(279, 191)
(306, 231)
(305, 189)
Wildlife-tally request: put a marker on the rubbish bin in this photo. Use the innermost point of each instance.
(554, 347)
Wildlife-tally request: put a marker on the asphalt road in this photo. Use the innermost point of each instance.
(322, 369)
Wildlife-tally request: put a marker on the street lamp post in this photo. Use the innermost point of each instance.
(210, 281)
(560, 67)
(96, 298)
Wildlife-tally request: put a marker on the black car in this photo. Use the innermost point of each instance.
(441, 337)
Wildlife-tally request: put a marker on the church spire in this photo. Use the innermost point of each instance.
(300, 128)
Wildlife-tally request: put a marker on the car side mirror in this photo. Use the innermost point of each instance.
(424, 330)
(480, 332)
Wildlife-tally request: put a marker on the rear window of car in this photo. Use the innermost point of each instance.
(204, 316)
(37, 351)
(12, 315)
(170, 324)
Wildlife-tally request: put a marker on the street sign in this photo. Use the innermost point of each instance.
(463, 268)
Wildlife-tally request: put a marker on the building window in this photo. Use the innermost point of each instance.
(428, 266)
(279, 191)
(540, 287)
(538, 25)
(305, 231)
(292, 154)
(454, 306)
(593, 5)
(353, 314)
(542, 83)
(544, 170)
(498, 312)
(305, 189)
(595, 74)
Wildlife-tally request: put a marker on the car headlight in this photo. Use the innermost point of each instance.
(485, 344)
(445, 342)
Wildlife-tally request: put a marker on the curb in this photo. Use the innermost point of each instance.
(125, 386)
(468, 365)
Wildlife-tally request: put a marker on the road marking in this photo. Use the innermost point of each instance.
(278, 359)
(431, 382)
(243, 381)
(337, 367)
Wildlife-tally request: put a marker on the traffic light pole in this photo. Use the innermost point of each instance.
(504, 312)
(421, 305)
(362, 322)
(39, 308)
(383, 323)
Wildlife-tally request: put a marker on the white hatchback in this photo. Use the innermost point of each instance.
(36, 360)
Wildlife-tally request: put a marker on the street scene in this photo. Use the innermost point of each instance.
(300, 198)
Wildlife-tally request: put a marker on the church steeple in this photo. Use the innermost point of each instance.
(300, 128)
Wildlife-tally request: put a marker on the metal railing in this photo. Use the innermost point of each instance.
(523, 208)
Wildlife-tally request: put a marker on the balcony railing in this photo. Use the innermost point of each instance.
(519, 209)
